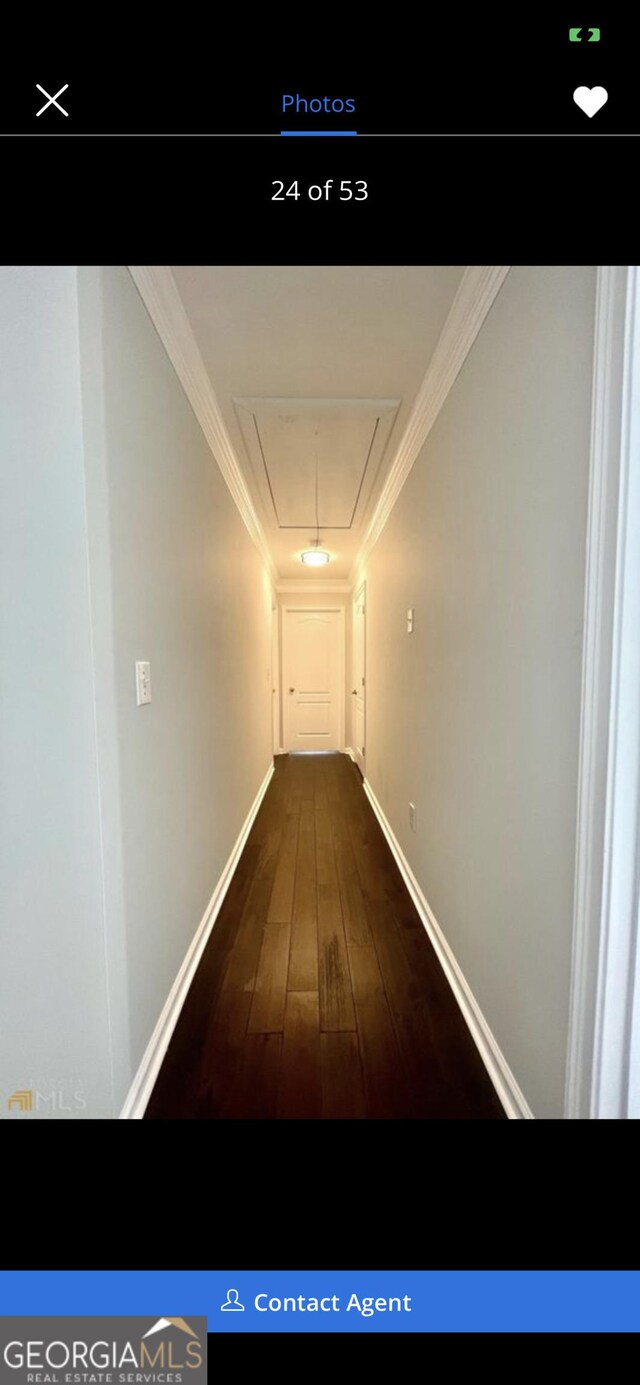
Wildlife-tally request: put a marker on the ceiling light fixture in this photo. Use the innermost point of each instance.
(315, 556)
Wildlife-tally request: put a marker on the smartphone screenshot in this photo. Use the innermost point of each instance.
(320, 750)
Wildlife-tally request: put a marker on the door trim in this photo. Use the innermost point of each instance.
(275, 680)
(360, 594)
(315, 610)
(603, 1006)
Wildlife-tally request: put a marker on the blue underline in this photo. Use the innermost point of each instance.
(307, 133)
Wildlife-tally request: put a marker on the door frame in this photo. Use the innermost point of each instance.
(314, 610)
(275, 680)
(360, 594)
(603, 1053)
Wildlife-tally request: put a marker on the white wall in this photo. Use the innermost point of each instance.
(475, 716)
(178, 582)
(52, 976)
(122, 543)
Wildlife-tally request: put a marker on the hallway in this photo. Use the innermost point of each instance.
(326, 576)
(319, 994)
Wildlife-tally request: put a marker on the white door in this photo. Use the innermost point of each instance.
(313, 669)
(358, 678)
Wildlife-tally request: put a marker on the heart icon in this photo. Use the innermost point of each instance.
(590, 99)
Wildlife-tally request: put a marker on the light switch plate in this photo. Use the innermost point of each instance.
(410, 621)
(143, 683)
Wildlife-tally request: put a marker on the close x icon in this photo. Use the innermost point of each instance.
(52, 100)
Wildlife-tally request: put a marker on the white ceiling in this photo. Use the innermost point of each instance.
(316, 362)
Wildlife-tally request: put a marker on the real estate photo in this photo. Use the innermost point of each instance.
(320, 692)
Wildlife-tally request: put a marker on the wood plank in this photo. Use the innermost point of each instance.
(336, 1000)
(421, 1066)
(386, 1090)
(356, 927)
(222, 1053)
(173, 1095)
(401, 983)
(292, 784)
(380, 916)
(281, 903)
(269, 852)
(343, 1095)
(320, 800)
(269, 812)
(468, 1093)
(405, 912)
(429, 976)
(267, 1010)
(300, 1084)
(244, 956)
(309, 781)
(380, 877)
(411, 1054)
(396, 888)
(334, 982)
(226, 924)
(365, 974)
(220, 970)
(262, 821)
(255, 1094)
(366, 853)
(332, 785)
(303, 961)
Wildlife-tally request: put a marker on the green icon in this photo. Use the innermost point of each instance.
(591, 35)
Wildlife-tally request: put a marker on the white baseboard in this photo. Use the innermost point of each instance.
(512, 1098)
(348, 751)
(146, 1076)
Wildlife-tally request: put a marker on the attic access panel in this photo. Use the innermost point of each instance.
(283, 438)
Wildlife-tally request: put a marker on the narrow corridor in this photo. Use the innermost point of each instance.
(319, 994)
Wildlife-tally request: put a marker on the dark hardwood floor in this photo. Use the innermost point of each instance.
(319, 994)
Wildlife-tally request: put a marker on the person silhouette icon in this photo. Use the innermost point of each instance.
(232, 1303)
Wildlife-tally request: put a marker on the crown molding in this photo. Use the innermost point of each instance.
(158, 290)
(298, 584)
(478, 289)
